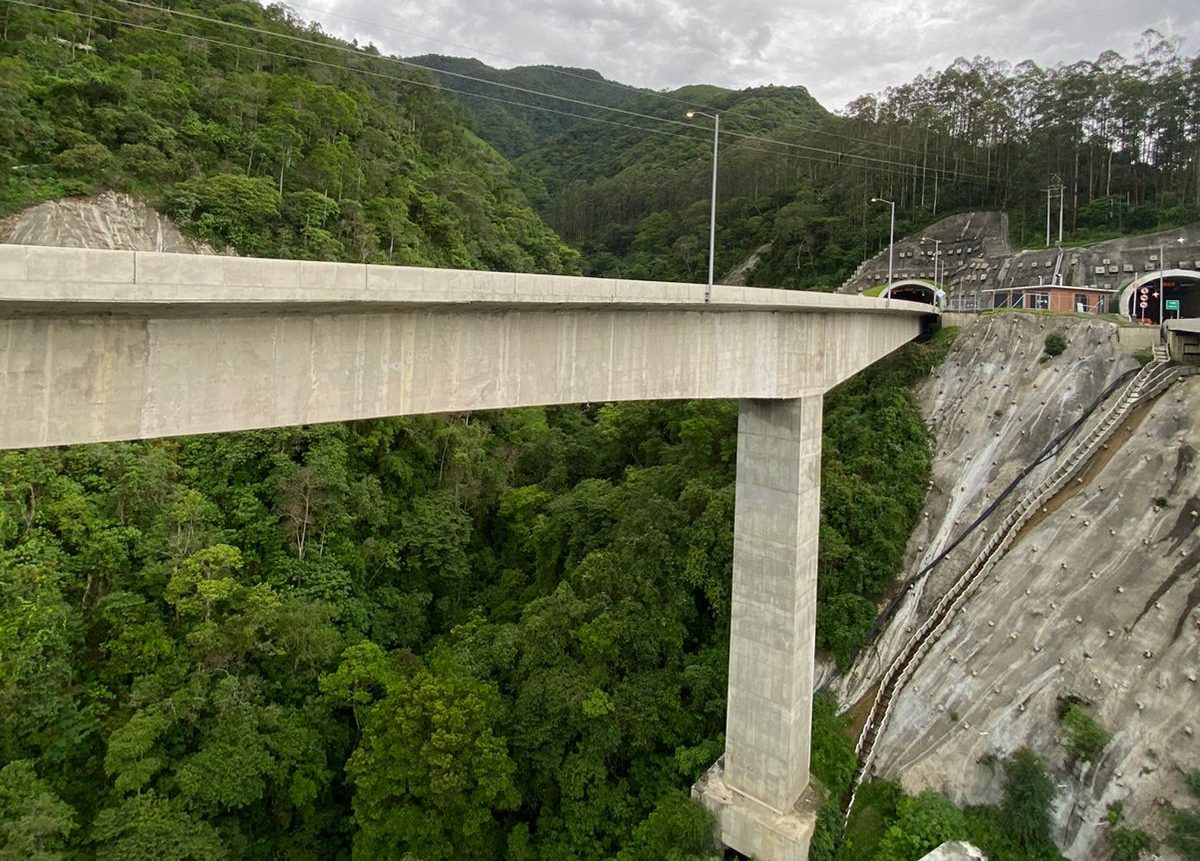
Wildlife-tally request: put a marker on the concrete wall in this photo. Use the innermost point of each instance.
(1134, 339)
(110, 345)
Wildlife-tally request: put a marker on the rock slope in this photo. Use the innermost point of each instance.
(109, 220)
(1097, 603)
(995, 404)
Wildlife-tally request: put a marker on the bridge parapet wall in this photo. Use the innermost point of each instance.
(110, 345)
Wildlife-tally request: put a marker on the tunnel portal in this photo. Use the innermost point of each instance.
(1178, 285)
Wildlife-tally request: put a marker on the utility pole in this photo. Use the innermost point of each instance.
(1062, 189)
(1056, 184)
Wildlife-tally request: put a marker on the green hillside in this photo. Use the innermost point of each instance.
(265, 143)
(512, 129)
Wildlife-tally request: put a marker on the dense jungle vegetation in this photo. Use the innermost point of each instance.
(256, 141)
(479, 636)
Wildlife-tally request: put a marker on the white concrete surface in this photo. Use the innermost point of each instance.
(110, 345)
(113, 345)
(774, 599)
(956, 851)
(772, 628)
(753, 829)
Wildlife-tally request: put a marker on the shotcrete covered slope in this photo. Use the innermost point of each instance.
(1097, 603)
(995, 681)
(994, 404)
(109, 220)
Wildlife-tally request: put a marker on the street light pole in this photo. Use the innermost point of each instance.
(1162, 286)
(891, 244)
(712, 214)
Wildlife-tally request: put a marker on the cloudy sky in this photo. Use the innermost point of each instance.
(837, 50)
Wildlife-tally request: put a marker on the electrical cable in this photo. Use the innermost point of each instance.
(626, 88)
(1051, 449)
(835, 160)
(558, 70)
(342, 48)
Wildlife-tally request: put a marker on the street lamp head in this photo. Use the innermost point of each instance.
(690, 114)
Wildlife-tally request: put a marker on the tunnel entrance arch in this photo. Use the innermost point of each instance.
(916, 290)
(1182, 285)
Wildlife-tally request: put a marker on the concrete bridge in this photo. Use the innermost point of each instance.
(119, 345)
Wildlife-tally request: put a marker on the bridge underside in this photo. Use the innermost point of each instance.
(104, 346)
(153, 345)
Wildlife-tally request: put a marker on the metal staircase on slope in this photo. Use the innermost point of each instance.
(1150, 381)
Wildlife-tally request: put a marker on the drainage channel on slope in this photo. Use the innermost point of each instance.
(1146, 383)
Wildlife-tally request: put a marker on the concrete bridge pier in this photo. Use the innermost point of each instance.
(117, 345)
(758, 789)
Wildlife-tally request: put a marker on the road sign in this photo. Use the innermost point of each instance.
(1172, 304)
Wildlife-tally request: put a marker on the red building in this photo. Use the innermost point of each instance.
(1053, 297)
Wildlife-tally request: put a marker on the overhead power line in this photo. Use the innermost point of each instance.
(616, 85)
(558, 70)
(824, 156)
(838, 155)
(358, 52)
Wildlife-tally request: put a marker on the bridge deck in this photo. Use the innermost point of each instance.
(37, 279)
(108, 345)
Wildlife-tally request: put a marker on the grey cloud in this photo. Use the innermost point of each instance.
(838, 51)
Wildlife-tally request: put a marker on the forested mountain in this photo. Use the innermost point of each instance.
(1122, 136)
(257, 133)
(497, 113)
(478, 636)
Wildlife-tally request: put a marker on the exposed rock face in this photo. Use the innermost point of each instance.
(995, 405)
(956, 851)
(1098, 602)
(109, 220)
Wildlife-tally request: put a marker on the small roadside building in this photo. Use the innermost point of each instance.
(1053, 297)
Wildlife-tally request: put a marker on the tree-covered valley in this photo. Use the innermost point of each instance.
(1120, 134)
(475, 636)
(449, 637)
